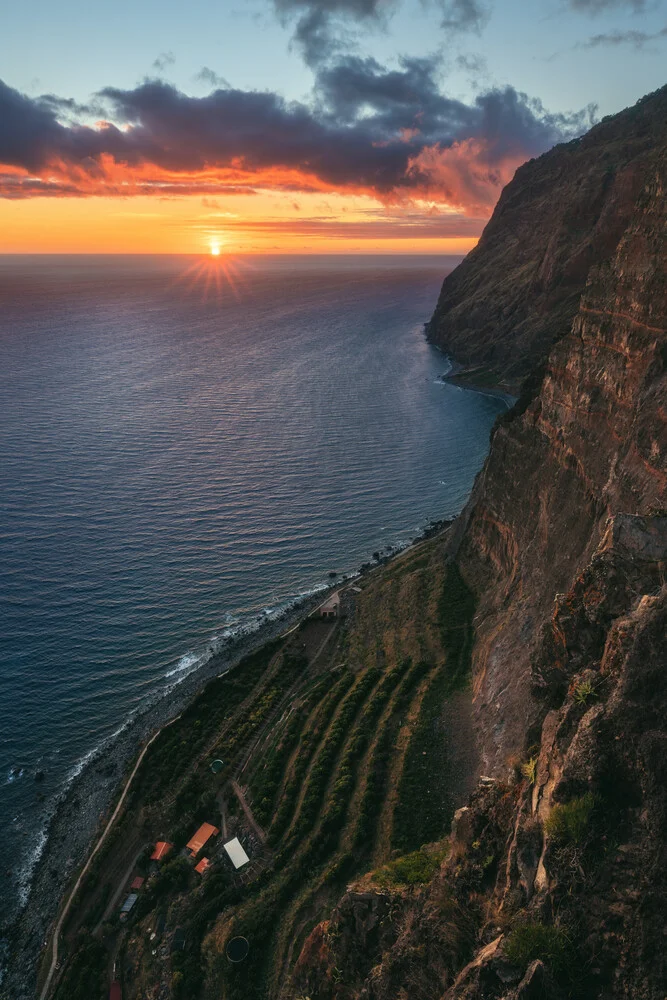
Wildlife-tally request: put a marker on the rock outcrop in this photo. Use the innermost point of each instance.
(500, 312)
(555, 883)
(591, 444)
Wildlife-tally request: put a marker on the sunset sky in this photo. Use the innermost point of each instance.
(296, 125)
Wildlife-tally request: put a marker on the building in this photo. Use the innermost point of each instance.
(137, 883)
(127, 905)
(331, 607)
(203, 834)
(114, 991)
(203, 865)
(162, 849)
(236, 854)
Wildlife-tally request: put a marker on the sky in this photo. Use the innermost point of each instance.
(296, 125)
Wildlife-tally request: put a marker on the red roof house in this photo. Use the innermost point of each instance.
(162, 849)
(205, 831)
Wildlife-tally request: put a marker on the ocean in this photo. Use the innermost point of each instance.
(186, 448)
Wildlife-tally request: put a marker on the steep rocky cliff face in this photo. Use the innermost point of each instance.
(592, 443)
(516, 293)
(555, 885)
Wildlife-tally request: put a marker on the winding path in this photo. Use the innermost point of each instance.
(105, 832)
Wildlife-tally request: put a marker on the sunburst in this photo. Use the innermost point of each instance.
(215, 274)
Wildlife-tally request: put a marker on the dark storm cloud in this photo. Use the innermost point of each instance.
(31, 135)
(367, 132)
(409, 99)
(67, 106)
(400, 98)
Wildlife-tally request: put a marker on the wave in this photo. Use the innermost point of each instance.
(237, 628)
(80, 764)
(25, 873)
(185, 663)
(185, 666)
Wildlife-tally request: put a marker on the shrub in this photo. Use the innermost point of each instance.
(583, 692)
(570, 823)
(412, 869)
(529, 770)
(544, 941)
(85, 974)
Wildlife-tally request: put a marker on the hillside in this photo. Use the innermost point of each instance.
(503, 680)
(517, 292)
(555, 885)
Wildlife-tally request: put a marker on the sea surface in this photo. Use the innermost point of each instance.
(186, 447)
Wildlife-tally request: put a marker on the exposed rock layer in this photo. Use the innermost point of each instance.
(517, 292)
(592, 443)
(555, 885)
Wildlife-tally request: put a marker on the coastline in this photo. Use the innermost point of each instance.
(90, 797)
(87, 803)
(468, 377)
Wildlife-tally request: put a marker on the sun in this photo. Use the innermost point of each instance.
(215, 249)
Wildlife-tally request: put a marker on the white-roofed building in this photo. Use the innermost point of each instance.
(331, 607)
(236, 854)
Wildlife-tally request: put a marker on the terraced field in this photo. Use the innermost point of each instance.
(336, 741)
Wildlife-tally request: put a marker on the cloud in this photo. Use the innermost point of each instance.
(637, 39)
(463, 15)
(322, 29)
(368, 226)
(472, 63)
(211, 78)
(164, 60)
(600, 6)
(389, 134)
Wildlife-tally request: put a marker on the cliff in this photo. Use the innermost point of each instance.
(555, 881)
(500, 312)
(503, 680)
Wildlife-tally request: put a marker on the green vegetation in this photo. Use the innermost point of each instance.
(86, 975)
(322, 767)
(323, 750)
(583, 692)
(265, 785)
(424, 808)
(187, 978)
(308, 743)
(266, 781)
(544, 941)
(570, 823)
(529, 770)
(412, 869)
(381, 757)
(290, 668)
(171, 755)
(356, 746)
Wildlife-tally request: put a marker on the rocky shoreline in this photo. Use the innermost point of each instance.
(79, 813)
(88, 800)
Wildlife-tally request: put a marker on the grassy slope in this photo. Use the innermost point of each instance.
(331, 758)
